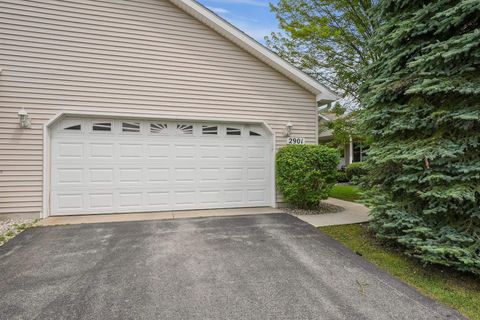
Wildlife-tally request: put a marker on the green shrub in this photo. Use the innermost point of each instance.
(355, 170)
(306, 173)
(341, 176)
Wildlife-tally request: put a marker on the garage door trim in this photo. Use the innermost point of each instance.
(47, 139)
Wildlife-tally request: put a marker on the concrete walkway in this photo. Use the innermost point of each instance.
(354, 213)
(145, 216)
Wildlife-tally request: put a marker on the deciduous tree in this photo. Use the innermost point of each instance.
(327, 39)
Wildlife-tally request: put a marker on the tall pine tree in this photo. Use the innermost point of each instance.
(422, 110)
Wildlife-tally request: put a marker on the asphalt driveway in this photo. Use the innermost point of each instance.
(270, 266)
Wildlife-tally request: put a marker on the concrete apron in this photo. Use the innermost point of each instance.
(144, 216)
(353, 213)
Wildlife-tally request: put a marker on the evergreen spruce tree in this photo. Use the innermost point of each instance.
(422, 110)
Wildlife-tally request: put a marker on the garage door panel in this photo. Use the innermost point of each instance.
(103, 151)
(210, 197)
(130, 175)
(185, 175)
(155, 151)
(234, 152)
(256, 174)
(256, 195)
(233, 174)
(210, 152)
(158, 175)
(179, 168)
(210, 174)
(69, 176)
(130, 199)
(185, 151)
(68, 150)
(68, 201)
(256, 153)
(234, 196)
(158, 199)
(101, 176)
(101, 200)
(185, 198)
(128, 150)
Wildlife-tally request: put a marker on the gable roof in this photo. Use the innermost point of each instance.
(206, 16)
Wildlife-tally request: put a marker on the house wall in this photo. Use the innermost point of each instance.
(124, 56)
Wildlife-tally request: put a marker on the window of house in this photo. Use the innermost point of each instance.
(102, 126)
(357, 151)
(210, 130)
(158, 128)
(184, 129)
(234, 131)
(130, 127)
(75, 127)
(254, 134)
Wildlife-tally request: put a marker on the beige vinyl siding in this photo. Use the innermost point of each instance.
(146, 57)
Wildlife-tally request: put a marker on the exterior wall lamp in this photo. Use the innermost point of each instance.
(24, 119)
(288, 129)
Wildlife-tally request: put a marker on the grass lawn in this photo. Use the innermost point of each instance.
(345, 192)
(460, 291)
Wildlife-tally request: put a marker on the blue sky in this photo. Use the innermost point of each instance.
(251, 16)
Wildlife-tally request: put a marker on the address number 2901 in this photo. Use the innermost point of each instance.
(295, 140)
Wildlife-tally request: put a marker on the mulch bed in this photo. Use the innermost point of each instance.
(323, 208)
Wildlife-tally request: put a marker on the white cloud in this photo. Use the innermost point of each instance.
(258, 33)
(242, 19)
(219, 10)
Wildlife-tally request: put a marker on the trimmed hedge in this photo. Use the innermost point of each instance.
(306, 173)
(355, 170)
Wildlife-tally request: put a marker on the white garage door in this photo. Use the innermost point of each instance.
(112, 165)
